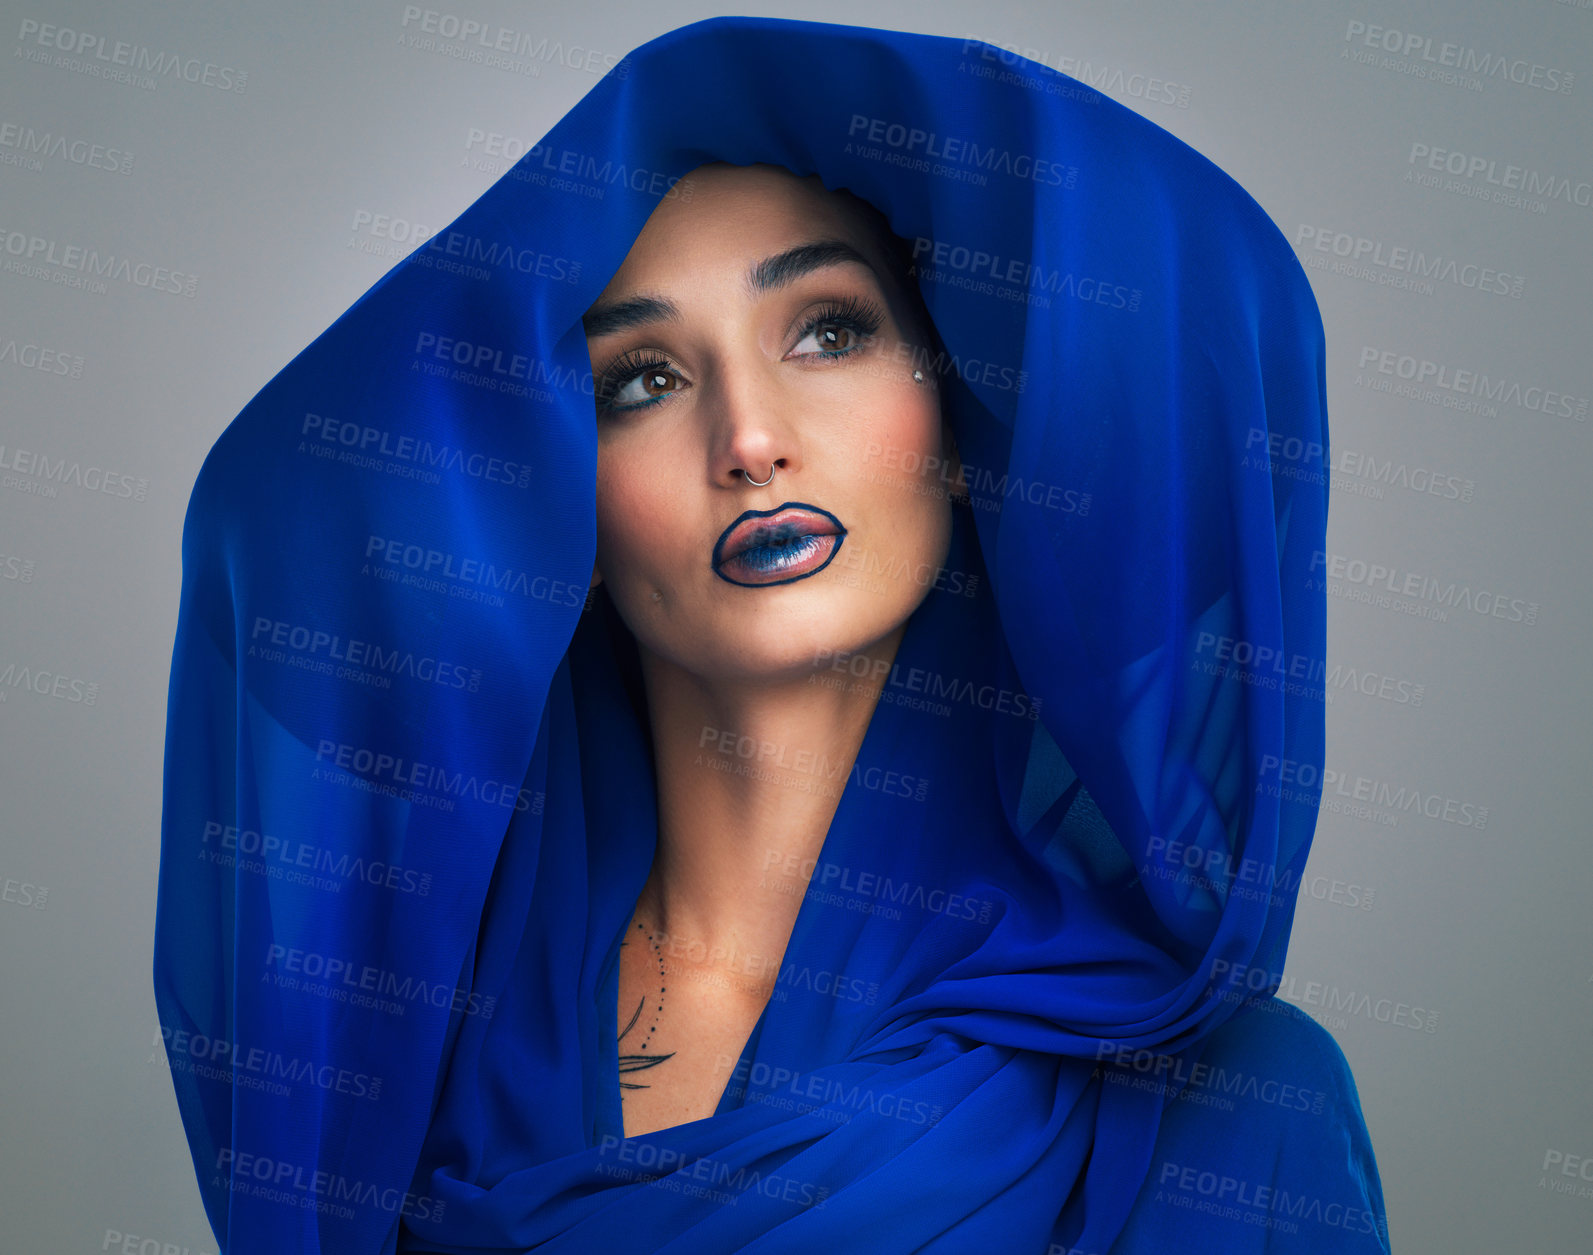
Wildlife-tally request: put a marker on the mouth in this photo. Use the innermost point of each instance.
(789, 542)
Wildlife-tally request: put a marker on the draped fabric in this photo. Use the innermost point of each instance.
(409, 800)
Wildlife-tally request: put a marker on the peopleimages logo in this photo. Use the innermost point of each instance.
(473, 253)
(32, 257)
(1102, 76)
(771, 754)
(1423, 379)
(37, 357)
(1241, 659)
(1266, 1206)
(1236, 981)
(396, 770)
(29, 145)
(1420, 51)
(347, 976)
(662, 1168)
(1342, 570)
(1296, 780)
(314, 649)
(495, 46)
(44, 475)
(256, 1067)
(791, 1090)
(118, 59)
(1400, 265)
(1295, 458)
(1502, 176)
(940, 261)
(47, 683)
(365, 447)
(298, 861)
(829, 877)
(280, 1180)
(1174, 1071)
(436, 565)
(566, 169)
(913, 142)
(1567, 1173)
(490, 361)
(891, 675)
(16, 567)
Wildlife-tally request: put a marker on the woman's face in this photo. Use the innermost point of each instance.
(806, 367)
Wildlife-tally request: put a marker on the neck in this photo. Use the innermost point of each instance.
(749, 778)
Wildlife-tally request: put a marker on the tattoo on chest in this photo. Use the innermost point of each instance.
(643, 1059)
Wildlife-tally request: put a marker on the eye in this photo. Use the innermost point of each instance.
(840, 328)
(631, 384)
(831, 335)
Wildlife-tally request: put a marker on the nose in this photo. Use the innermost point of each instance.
(751, 433)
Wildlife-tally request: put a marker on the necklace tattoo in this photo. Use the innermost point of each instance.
(637, 1062)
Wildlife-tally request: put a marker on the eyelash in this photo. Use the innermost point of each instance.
(859, 315)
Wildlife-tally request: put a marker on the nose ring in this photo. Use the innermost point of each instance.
(755, 483)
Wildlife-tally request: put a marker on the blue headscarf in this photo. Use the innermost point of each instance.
(408, 794)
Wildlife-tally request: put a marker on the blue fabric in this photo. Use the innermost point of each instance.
(408, 804)
(1272, 1081)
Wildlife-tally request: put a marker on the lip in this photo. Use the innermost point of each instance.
(790, 542)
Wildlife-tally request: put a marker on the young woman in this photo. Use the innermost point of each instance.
(749, 530)
(763, 692)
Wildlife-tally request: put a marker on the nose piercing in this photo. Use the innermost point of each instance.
(918, 376)
(755, 483)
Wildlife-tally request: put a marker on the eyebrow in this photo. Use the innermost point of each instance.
(768, 275)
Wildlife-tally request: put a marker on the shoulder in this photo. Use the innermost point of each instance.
(1278, 1036)
(1262, 1147)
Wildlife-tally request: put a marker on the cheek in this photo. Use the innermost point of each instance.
(906, 515)
(625, 501)
(902, 448)
(648, 528)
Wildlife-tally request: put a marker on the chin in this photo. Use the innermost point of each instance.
(789, 637)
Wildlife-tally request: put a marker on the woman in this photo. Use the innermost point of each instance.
(734, 591)
(886, 854)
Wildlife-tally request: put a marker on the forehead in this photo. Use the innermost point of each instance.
(734, 213)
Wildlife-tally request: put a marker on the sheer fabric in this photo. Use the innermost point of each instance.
(408, 791)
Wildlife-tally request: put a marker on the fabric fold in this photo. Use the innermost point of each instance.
(409, 794)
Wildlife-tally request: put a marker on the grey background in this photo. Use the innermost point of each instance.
(260, 193)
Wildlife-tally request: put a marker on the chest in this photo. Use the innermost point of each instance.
(681, 1033)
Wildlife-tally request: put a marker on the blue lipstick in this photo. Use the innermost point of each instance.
(778, 546)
